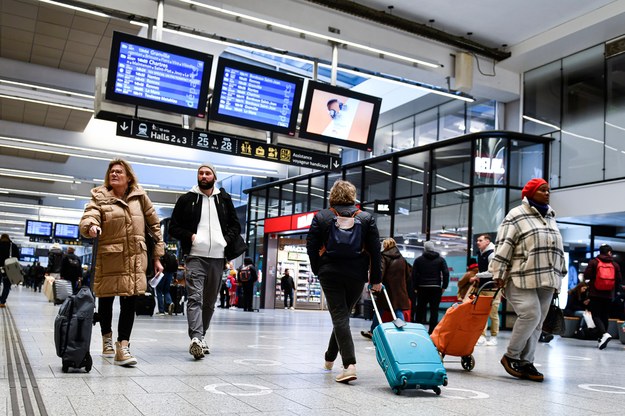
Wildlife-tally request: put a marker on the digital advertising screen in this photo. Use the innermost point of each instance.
(67, 231)
(339, 116)
(256, 97)
(38, 228)
(153, 74)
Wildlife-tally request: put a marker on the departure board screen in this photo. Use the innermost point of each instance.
(256, 97)
(154, 74)
(38, 228)
(68, 231)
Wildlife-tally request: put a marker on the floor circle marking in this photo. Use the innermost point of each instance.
(260, 390)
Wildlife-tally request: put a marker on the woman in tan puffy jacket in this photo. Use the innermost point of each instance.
(119, 211)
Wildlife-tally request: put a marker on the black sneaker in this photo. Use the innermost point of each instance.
(512, 366)
(545, 337)
(366, 334)
(531, 373)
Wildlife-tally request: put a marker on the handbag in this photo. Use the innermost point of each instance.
(554, 322)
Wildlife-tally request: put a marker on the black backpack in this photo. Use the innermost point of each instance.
(344, 236)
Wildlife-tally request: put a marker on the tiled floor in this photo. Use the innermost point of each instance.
(270, 363)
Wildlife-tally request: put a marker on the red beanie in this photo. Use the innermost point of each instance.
(531, 186)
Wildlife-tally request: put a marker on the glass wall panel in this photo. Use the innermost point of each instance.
(452, 120)
(287, 199)
(554, 156)
(489, 210)
(410, 175)
(481, 116)
(273, 208)
(526, 162)
(317, 193)
(301, 196)
(450, 221)
(426, 127)
(382, 221)
(583, 117)
(408, 219)
(403, 134)
(490, 161)
(354, 175)
(542, 99)
(383, 140)
(451, 167)
(377, 181)
(615, 118)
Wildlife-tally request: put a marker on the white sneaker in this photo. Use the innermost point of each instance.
(348, 374)
(492, 341)
(195, 349)
(286, 307)
(204, 346)
(292, 308)
(603, 342)
(481, 340)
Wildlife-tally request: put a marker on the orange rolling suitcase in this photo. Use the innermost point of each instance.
(461, 327)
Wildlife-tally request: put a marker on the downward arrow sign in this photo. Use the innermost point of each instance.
(124, 127)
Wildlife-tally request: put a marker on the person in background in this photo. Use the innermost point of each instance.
(287, 285)
(465, 283)
(430, 278)
(71, 268)
(119, 212)
(604, 281)
(248, 275)
(396, 277)
(232, 288)
(577, 300)
(342, 278)
(206, 224)
(529, 264)
(55, 258)
(487, 252)
(224, 296)
(163, 294)
(7, 249)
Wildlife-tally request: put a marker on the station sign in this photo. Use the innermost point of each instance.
(225, 144)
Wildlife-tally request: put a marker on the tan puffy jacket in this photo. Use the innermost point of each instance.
(122, 253)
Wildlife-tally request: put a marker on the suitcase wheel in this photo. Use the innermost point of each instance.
(437, 390)
(397, 391)
(87, 362)
(467, 362)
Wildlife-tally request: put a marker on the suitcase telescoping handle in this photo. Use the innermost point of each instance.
(397, 322)
(94, 253)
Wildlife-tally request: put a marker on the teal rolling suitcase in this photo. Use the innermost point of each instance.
(407, 355)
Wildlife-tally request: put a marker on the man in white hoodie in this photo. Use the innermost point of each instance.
(206, 224)
(487, 252)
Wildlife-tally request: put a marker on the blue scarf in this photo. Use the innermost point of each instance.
(542, 208)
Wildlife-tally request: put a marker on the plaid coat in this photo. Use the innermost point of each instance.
(529, 249)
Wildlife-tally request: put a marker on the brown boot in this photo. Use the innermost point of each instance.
(122, 354)
(107, 345)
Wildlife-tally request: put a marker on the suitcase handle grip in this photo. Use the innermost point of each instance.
(388, 300)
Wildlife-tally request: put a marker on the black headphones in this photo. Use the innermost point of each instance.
(333, 113)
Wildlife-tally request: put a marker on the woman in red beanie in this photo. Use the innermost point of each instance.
(529, 265)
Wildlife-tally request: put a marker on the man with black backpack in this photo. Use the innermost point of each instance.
(71, 268)
(163, 294)
(604, 276)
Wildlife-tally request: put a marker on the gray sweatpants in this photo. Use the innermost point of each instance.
(203, 283)
(531, 307)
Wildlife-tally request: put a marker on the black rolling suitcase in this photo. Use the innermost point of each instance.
(73, 325)
(177, 299)
(145, 304)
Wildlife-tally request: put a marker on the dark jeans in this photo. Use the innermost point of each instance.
(224, 296)
(288, 296)
(126, 316)
(600, 309)
(248, 295)
(6, 288)
(341, 295)
(163, 295)
(428, 296)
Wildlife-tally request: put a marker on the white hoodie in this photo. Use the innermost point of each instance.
(209, 240)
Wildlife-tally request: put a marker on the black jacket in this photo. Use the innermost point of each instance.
(430, 269)
(186, 217)
(286, 283)
(369, 260)
(8, 249)
(55, 257)
(71, 271)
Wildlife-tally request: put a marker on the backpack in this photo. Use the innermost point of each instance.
(170, 262)
(345, 236)
(74, 264)
(604, 279)
(245, 274)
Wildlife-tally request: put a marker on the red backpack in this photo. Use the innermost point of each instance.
(604, 279)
